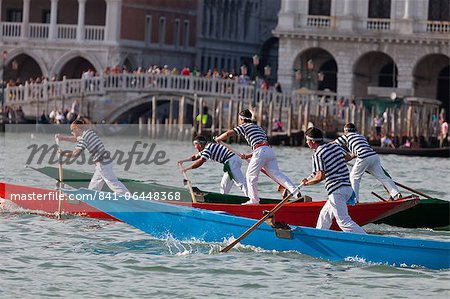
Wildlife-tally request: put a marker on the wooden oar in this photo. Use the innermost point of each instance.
(187, 182)
(399, 184)
(281, 188)
(254, 226)
(60, 171)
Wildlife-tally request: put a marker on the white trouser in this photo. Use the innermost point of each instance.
(373, 165)
(235, 164)
(336, 207)
(104, 173)
(264, 157)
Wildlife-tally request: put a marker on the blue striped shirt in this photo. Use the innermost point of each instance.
(356, 144)
(253, 133)
(90, 141)
(329, 158)
(216, 152)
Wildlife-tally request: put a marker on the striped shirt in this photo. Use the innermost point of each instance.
(216, 152)
(253, 133)
(329, 158)
(356, 144)
(90, 141)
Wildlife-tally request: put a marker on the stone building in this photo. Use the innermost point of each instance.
(354, 47)
(66, 37)
(232, 31)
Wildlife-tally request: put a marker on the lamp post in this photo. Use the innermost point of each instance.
(2, 80)
(255, 77)
(309, 78)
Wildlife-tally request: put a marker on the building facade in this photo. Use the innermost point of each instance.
(232, 31)
(45, 38)
(64, 38)
(362, 47)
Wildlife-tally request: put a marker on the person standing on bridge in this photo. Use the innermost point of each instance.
(86, 139)
(216, 152)
(262, 156)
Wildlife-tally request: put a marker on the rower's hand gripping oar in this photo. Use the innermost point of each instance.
(187, 182)
(266, 216)
(281, 188)
(60, 171)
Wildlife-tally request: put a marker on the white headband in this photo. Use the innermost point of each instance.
(313, 139)
(244, 118)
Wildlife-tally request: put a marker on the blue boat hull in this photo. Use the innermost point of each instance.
(184, 223)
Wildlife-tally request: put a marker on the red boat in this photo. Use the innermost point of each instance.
(40, 200)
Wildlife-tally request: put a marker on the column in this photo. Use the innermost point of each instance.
(347, 8)
(52, 33)
(26, 18)
(407, 13)
(80, 24)
(112, 22)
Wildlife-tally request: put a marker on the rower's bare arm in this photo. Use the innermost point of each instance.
(190, 158)
(225, 135)
(75, 153)
(349, 157)
(69, 138)
(196, 164)
(317, 178)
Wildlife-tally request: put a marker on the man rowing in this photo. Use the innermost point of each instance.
(329, 164)
(86, 139)
(216, 152)
(262, 156)
(366, 160)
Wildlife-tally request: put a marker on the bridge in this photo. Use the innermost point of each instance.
(173, 99)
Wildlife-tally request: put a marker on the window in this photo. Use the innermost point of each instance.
(148, 29)
(162, 30)
(379, 9)
(176, 33)
(438, 10)
(45, 16)
(319, 7)
(14, 15)
(186, 33)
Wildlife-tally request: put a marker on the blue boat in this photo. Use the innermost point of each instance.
(184, 223)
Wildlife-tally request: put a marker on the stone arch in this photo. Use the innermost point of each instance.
(22, 64)
(431, 78)
(320, 75)
(142, 106)
(130, 62)
(64, 59)
(373, 69)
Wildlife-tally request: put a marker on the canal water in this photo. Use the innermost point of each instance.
(88, 258)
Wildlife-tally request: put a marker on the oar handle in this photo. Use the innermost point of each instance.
(412, 190)
(191, 191)
(60, 172)
(264, 218)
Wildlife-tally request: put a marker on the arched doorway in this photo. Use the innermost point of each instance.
(432, 79)
(75, 67)
(22, 68)
(315, 69)
(373, 69)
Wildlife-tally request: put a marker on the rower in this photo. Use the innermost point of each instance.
(262, 157)
(219, 153)
(86, 139)
(329, 164)
(366, 160)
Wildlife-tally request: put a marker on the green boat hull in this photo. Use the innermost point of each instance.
(429, 213)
